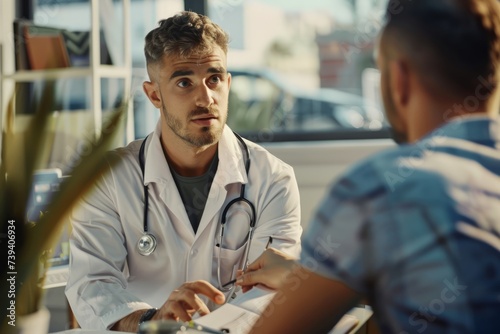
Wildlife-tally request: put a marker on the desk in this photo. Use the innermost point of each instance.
(89, 331)
(362, 313)
(56, 281)
(55, 299)
(57, 276)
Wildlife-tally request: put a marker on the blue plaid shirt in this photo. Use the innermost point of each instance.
(417, 230)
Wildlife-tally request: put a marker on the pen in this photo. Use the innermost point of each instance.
(269, 242)
(230, 282)
(192, 324)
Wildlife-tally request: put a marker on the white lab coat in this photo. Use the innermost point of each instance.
(109, 279)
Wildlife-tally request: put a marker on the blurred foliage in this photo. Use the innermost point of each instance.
(28, 244)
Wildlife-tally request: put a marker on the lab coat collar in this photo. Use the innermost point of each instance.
(231, 167)
(156, 169)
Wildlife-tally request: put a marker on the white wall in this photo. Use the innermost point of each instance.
(317, 164)
(7, 8)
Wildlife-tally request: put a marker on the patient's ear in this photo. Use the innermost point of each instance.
(400, 83)
(152, 92)
(401, 88)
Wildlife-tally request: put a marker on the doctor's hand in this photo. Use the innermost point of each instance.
(270, 269)
(180, 305)
(184, 301)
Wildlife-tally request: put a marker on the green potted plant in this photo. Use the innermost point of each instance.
(24, 245)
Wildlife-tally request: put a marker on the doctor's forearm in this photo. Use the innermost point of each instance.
(130, 323)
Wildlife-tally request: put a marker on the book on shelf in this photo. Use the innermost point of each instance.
(21, 57)
(78, 47)
(43, 47)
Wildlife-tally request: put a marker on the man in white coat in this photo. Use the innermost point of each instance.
(146, 242)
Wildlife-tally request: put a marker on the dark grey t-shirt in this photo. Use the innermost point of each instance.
(194, 191)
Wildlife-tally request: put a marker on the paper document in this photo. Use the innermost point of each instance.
(234, 318)
(254, 300)
(345, 324)
(240, 314)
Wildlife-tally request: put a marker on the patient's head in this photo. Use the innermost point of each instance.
(453, 47)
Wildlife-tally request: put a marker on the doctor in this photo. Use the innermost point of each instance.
(148, 241)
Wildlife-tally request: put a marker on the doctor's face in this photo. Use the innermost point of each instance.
(194, 95)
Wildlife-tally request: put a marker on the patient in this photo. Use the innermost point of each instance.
(416, 229)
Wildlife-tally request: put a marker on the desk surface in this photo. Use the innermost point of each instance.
(362, 313)
(89, 331)
(57, 277)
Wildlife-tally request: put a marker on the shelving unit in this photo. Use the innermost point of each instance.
(95, 71)
(6, 57)
(93, 75)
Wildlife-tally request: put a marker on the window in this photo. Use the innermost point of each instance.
(303, 69)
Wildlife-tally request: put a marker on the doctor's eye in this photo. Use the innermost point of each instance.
(183, 83)
(215, 79)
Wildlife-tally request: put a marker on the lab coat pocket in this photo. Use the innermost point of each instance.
(237, 226)
(229, 261)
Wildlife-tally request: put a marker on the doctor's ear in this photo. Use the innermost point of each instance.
(151, 90)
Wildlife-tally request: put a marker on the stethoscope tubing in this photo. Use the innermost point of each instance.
(148, 241)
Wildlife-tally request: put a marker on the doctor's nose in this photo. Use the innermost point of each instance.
(204, 96)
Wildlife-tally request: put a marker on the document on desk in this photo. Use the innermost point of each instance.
(239, 315)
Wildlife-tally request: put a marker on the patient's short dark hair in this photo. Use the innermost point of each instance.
(452, 43)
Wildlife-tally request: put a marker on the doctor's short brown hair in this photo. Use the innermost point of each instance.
(184, 35)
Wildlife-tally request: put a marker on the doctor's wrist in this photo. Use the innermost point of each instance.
(130, 322)
(148, 315)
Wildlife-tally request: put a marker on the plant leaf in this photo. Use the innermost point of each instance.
(23, 153)
(83, 177)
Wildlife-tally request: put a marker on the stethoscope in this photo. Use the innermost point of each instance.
(147, 242)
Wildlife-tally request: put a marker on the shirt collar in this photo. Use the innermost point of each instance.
(479, 129)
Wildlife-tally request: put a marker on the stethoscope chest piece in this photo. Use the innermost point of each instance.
(146, 244)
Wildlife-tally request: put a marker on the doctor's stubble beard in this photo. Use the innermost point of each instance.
(207, 137)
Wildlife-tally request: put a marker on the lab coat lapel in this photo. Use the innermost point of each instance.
(158, 172)
(172, 199)
(231, 169)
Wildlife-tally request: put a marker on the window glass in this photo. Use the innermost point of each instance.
(302, 67)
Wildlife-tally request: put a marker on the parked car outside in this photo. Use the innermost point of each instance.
(261, 100)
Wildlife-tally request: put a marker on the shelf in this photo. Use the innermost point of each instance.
(99, 10)
(103, 71)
